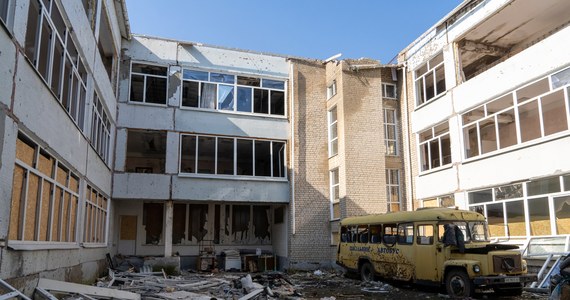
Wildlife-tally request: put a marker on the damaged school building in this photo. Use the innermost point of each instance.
(112, 142)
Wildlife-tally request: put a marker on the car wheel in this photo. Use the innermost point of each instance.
(366, 272)
(458, 284)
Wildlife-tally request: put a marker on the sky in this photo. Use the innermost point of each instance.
(317, 29)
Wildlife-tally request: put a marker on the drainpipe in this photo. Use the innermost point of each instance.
(409, 194)
(292, 205)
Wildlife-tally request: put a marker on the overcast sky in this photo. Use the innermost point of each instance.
(318, 29)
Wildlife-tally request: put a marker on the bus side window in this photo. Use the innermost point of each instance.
(424, 235)
(344, 234)
(406, 234)
(375, 233)
(390, 233)
(362, 233)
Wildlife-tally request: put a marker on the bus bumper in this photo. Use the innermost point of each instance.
(503, 280)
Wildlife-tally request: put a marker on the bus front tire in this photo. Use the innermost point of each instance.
(366, 272)
(458, 284)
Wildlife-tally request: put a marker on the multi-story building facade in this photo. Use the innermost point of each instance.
(487, 100)
(59, 63)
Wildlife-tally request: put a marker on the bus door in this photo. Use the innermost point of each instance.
(428, 254)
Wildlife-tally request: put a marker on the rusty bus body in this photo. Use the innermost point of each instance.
(415, 246)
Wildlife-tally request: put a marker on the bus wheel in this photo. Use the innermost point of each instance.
(458, 285)
(366, 272)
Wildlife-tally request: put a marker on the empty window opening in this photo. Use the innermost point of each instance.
(106, 46)
(153, 216)
(429, 80)
(198, 222)
(262, 222)
(148, 84)
(232, 156)
(146, 151)
(435, 147)
(179, 224)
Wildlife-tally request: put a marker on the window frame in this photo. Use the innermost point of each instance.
(394, 128)
(332, 140)
(433, 137)
(332, 185)
(195, 173)
(145, 75)
(385, 91)
(429, 70)
(101, 133)
(235, 87)
(100, 213)
(392, 183)
(331, 90)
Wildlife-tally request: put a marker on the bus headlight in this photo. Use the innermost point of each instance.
(476, 269)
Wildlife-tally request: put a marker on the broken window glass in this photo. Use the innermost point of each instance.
(148, 83)
(262, 158)
(240, 222)
(206, 155)
(179, 223)
(146, 151)
(195, 75)
(273, 84)
(561, 78)
(226, 97)
(244, 99)
(223, 78)
(153, 221)
(198, 219)
(262, 223)
(562, 214)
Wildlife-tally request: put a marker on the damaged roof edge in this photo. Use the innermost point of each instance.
(122, 14)
(438, 23)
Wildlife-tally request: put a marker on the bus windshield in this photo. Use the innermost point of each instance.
(475, 231)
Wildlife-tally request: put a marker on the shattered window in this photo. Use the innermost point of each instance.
(179, 223)
(405, 234)
(425, 234)
(375, 234)
(148, 83)
(153, 214)
(197, 223)
(240, 221)
(262, 222)
(390, 234)
(218, 91)
(146, 151)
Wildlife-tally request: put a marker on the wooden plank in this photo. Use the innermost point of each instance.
(54, 285)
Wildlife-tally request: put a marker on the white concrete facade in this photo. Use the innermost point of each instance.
(532, 56)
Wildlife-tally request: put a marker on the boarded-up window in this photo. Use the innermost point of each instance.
(95, 216)
(44, 196)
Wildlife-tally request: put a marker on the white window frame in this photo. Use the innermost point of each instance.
(331, 90)
(101, 125)
(98, 213)
(390, 184)
(430, 69)
(385, 91)
(394, 128)
(235, 86)
(332, 185)
(145, 76)
(234, 175)
(439, 138)
(332, 139)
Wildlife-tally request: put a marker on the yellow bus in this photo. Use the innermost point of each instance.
(437, 246)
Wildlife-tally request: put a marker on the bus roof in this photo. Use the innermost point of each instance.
(427, 214)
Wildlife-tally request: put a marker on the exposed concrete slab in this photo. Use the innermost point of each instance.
(144, 116)
(141, 186)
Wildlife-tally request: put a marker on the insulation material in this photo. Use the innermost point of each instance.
(45, 164)
(17, 192)
(153, 215)
(62, 175)
(74, 184)
(25, 151)
(31, 206)
(44, 211)
(56, 211)
(128, 228)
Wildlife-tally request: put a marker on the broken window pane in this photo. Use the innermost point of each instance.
(507, 129)
(539, 215)
(244, 99)
(226, 97)
(251, 81)
(273, 84)
(244, 157)
(137, 88)
(277, 103)
(56, 68)
(152, 222)
(225, 156)
(146, 151)
(488, 135)
(543, 186)
(260, 101)
(262, 158)
(45, 50)
(240, 221)
(206, 155)
(262, 223)
(208, 96)
(223, 78)
(179, 223)
(509, 192)
(480, 196)
(562, 214)
(471, 141)
(190, 93)
(561, 78)
(198, 219)
(279, 167)
(155, 90)
(32, 29)
(529, 121)
(554, 113)
(188, 153)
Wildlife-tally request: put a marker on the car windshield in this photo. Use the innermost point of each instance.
(478, 231)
